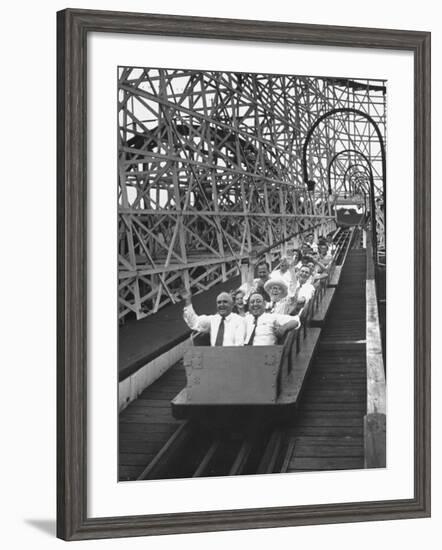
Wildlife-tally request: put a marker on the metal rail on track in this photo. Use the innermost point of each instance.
(208, 457)
(173, 445)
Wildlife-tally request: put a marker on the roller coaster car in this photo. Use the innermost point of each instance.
(249, 377)
(227, 381)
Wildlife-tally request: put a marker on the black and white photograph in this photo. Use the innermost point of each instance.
(226, 227)
(251, 273)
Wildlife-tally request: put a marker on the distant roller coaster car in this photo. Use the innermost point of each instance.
(349, 211)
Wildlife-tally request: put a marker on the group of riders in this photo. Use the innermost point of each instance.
(269, 303)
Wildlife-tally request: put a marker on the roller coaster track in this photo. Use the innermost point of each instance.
(218, 447)
(195, 450)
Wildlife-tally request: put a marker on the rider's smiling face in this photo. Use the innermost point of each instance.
(275, 291)
(304, 274)
(224, 304)
(284, 264)
(256, 305)
(239, 299)
(262, 272)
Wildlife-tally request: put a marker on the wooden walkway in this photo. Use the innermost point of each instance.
(329, 427)
(147, 423)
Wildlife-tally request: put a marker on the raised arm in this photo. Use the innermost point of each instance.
(253, 260)
(248, 285)
(323, 266)
(284, 323)
(187, 297)
(192, 320)
(293, 323)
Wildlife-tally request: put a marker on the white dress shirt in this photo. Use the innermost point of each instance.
(234, 326)
(305, 291)
(325, 260)
(285, 305)
(266, 327)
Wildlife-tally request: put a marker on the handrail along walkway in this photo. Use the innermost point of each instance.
(375, 419)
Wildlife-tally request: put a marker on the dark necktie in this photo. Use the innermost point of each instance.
(252, 336)
(220, 335)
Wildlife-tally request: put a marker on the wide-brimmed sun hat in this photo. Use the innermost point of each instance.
(278, 282)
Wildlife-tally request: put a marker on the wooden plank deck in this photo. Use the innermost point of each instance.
(330, 426)
(147, 423)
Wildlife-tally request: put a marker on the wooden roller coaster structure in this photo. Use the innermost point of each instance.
(210, 171)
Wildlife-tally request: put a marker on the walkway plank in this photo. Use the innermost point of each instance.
(330, 423)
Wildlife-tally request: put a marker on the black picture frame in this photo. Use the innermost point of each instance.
(73, 27)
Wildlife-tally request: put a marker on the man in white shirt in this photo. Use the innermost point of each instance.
(225, 328)
(304, 290)
(284, 272)
(257, 284)
(324, 258)
(331, 245)
(310, 241)
(306, 254)
(263, 329)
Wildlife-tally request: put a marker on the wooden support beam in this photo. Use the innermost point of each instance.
(207, 159)
(375, 420)
(375, 440)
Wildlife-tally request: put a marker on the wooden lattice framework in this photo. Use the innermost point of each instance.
(210, 170)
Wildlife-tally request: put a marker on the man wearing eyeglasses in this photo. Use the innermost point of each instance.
(264, 329)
